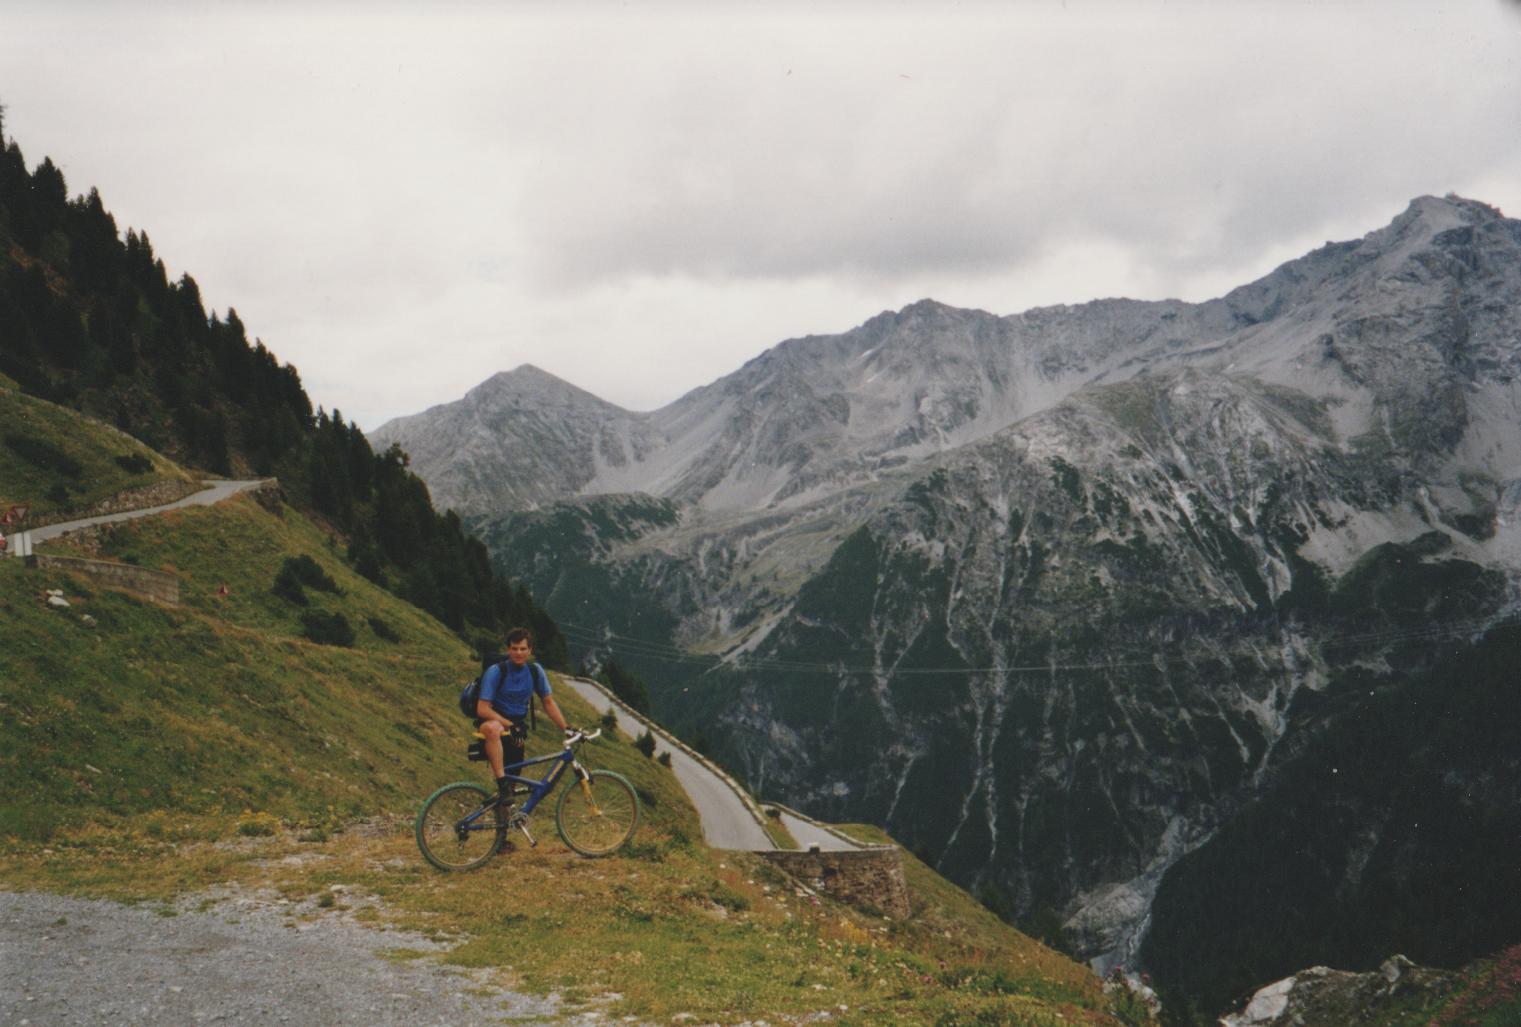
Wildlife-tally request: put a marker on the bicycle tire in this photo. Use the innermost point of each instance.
(598, 816)
(438, 838)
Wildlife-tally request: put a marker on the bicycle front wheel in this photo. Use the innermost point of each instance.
(597, 816)
(444, 836)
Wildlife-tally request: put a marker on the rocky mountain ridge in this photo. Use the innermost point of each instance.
(1058, 596)
(825, 412)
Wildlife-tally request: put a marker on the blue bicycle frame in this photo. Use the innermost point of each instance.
(538, 788)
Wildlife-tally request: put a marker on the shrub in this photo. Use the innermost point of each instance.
(299, 571)
(288, 587)
(645, 743)
(257, 825)
(327, 628)
(134, 463)
(310, 573)
(609, 721)
(665, 759)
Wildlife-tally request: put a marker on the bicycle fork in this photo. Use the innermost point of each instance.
(585, 780)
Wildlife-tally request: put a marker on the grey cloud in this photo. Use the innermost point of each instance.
(405, 201)
(1195, 152)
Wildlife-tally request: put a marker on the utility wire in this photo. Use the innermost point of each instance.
(1125, 659)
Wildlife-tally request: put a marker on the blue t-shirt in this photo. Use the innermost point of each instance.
(509, 688)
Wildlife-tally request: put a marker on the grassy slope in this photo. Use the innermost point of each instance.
(92, 444)
(158, 751)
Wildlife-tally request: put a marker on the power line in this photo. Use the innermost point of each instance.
(1125, 659)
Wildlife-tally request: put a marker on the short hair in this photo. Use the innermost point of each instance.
(517, 635)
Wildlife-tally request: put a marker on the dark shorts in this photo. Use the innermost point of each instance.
(512, 739)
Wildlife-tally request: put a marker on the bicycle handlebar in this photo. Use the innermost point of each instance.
(581, 735)
(576, 735)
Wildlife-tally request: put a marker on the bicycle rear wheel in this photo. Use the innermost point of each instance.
(446, 840)
(597, 816)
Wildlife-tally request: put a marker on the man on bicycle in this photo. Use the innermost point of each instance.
(507, 691)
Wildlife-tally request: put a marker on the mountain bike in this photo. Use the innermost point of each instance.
(462, 825)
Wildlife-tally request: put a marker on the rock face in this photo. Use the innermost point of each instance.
(1388, 821)
(1322, 997)
(516, 441)
(1055, 596)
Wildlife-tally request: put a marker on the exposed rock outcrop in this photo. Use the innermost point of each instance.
(1322, 997)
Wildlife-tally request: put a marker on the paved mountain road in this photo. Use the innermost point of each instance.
(727, 819)
(730, 819)
(810, 833)
(215, 492)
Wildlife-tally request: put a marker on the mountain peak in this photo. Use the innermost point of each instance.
(524, 374)
(1452, 204)
(1428, 216)
(924, 306)
(532, 380)
(927, 309)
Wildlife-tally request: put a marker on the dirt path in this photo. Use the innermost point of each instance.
(245, 960)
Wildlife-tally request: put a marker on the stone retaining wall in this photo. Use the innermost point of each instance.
(871, 878)
(159, 586)
(160, 493)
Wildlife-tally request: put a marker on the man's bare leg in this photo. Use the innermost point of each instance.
(492, 732)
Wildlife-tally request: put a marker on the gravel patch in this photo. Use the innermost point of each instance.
(245, 960)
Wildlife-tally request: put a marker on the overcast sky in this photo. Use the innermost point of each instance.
(404, 199)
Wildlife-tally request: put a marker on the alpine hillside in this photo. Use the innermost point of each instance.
(260, 739)
(1086, 604)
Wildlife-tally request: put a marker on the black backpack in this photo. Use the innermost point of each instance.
(471, 693)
